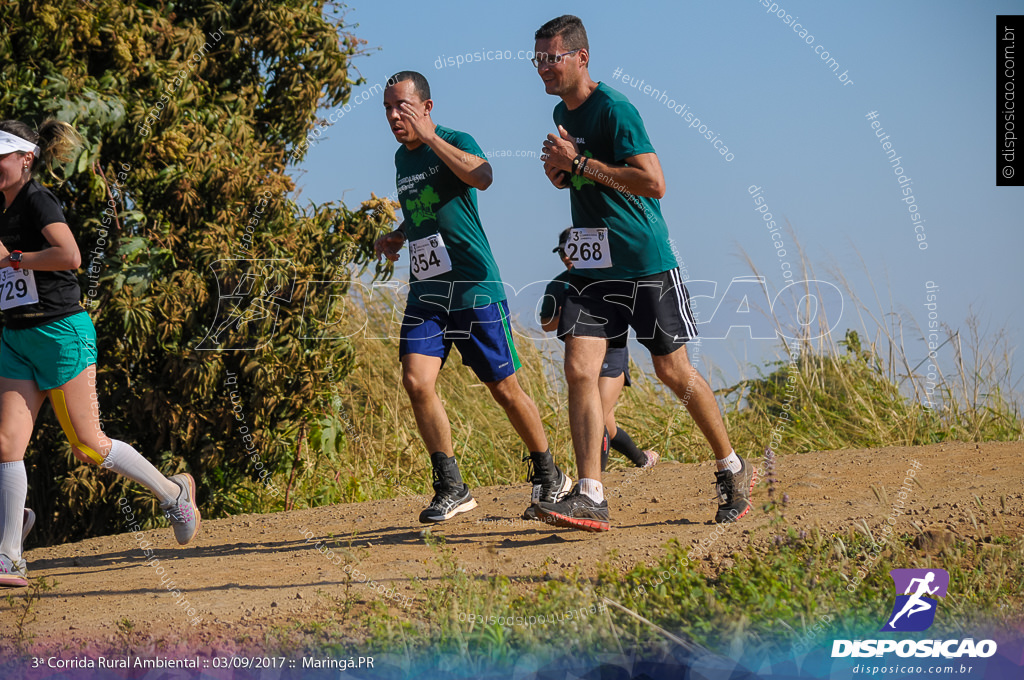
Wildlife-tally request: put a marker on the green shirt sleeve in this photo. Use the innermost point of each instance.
(627, 131)
(465, 142)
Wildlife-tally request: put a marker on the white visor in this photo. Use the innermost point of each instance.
(9, 143)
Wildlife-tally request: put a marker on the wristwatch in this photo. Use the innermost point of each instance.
(15, 258)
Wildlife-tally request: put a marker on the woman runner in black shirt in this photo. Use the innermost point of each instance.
(48, 345)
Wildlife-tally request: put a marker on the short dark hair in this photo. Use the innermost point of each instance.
(570, 27)
(419, 83)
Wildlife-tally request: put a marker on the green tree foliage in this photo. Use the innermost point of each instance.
(193, 113)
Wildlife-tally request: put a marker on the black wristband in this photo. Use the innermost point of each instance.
(576, 164)
(583, 165)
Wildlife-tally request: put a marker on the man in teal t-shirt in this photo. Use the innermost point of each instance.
(624, 272)
(456, 295)
(435, 200)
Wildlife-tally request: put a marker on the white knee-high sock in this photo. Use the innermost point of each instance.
(13, 492)
(126, 461)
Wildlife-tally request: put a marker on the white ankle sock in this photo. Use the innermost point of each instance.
(730, 462)
(592, 488)
(13, 492)
(126, 461)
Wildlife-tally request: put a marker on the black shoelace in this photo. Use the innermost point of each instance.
(724, 485)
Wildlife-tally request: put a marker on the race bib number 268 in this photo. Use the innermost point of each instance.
(589, 248)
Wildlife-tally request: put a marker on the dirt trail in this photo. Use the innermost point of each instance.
(246, 574)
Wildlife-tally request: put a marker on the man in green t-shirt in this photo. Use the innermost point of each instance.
(625, 274)
(455, 295)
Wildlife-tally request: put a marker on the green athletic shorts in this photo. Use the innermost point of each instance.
(51, 354)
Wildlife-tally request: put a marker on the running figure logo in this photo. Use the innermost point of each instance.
(250, 295)
(914, 610)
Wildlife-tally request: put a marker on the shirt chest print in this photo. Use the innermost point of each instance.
(422, 209)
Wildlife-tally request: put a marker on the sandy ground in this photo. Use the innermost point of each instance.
(247, 574)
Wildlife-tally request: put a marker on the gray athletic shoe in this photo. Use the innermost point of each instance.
(182, 513)
(576, 511)
(734, 492)
(13, 574)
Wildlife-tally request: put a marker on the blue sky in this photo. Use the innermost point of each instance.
(926, 68)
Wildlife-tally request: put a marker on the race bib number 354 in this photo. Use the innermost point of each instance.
(428, 257)
(17, 288)
(589, 248)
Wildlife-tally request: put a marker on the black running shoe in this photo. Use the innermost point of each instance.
(451, 495)
(576, 511)
(549, 483)
(734, 492)
(447, 503)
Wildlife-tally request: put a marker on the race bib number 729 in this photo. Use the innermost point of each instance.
(17, 288)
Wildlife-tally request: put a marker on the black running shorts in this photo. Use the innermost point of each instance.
(657, 307)
(616, 363)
